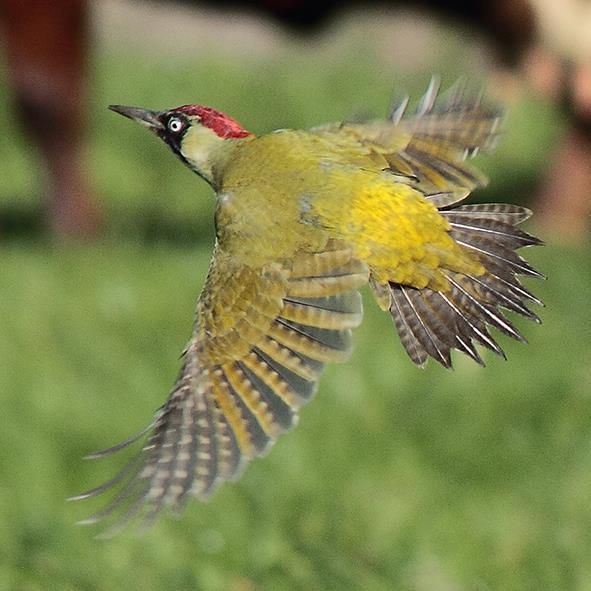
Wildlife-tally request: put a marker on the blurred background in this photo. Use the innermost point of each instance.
(396, 478)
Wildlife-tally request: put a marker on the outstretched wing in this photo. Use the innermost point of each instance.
(428, 148)
(260, 340)
(443, 133)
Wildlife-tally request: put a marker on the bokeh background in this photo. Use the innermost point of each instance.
(396, 478)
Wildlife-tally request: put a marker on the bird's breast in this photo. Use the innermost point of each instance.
(264, 226)
(266, 195)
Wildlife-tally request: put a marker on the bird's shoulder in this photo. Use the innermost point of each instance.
(302, 147)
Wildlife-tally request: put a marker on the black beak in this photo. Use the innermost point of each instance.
(145, 117)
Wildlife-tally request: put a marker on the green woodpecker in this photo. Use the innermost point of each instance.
(303, 219)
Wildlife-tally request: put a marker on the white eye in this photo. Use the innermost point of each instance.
(175, 124)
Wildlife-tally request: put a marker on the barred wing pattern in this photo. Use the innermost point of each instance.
(260, 341)
(442, 134)
(429, 148)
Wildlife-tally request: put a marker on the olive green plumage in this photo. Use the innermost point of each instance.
(303, 219)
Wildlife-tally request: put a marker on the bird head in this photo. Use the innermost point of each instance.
(198, 135)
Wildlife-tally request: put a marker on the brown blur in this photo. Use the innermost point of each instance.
(47, 48)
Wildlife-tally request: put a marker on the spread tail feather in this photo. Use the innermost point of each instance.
(432, 323)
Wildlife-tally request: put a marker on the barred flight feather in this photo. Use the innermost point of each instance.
(220, 415)
(443, 133)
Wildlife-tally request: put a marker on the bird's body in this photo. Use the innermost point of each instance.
(303, 219)
(308, 187)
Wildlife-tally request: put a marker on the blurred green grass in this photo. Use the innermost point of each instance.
(146, 193)
(395, 478)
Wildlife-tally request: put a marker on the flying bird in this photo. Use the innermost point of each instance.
(303, 219)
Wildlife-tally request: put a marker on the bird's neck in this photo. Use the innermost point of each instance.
(208, 154)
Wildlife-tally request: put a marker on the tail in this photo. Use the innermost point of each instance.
(432, 323)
